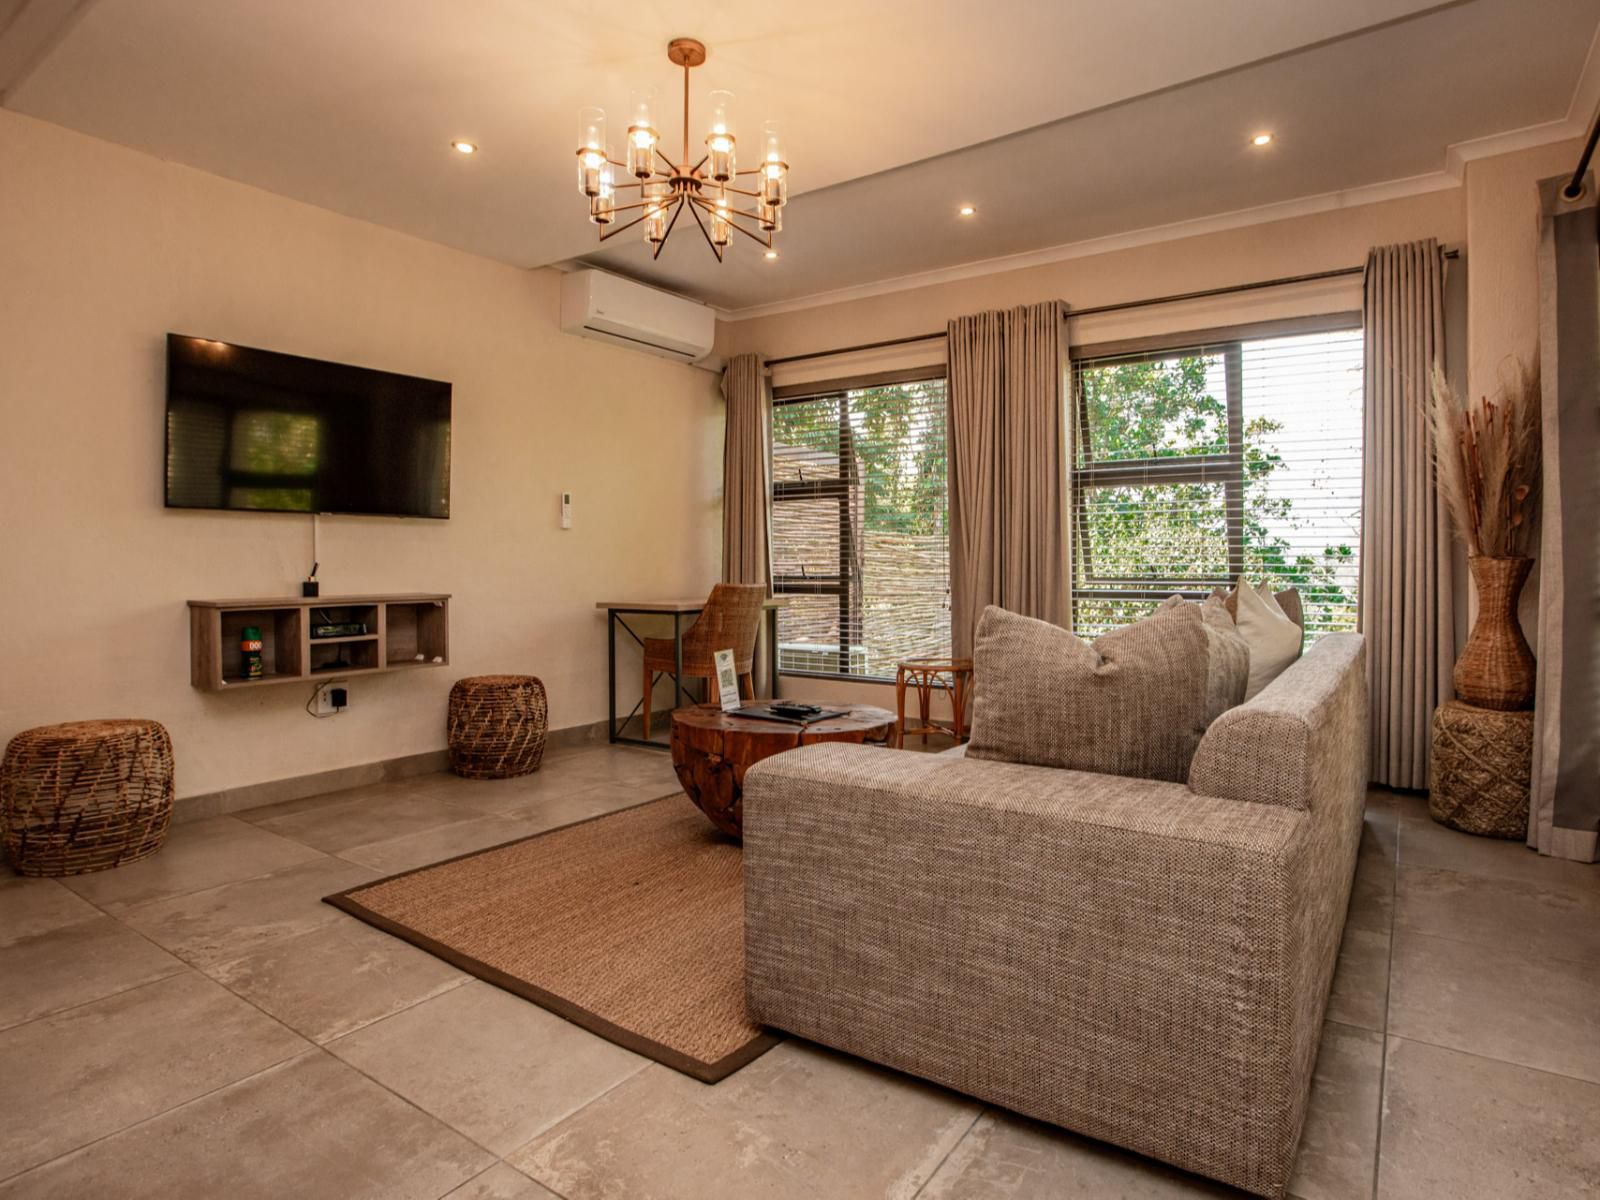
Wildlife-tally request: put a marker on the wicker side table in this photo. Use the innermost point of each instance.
(85, 796)
(926, 676)
(1480, 769)
(497, 726)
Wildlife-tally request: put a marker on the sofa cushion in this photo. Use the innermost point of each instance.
(1274, 639)
(1134, 702)
(1227, 659)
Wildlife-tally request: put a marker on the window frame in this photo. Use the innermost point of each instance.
(1226, 468)
(844, 582)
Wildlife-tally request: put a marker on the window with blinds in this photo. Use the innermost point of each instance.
(1198, 464)
(860, 539)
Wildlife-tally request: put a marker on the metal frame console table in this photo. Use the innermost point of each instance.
(617, 610)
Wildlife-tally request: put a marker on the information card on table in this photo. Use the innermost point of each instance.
(727, 681)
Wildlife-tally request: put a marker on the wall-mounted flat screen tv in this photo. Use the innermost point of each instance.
(262, 432)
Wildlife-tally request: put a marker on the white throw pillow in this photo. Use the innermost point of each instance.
(1274, 639)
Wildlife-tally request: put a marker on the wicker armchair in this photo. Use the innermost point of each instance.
(730, 621)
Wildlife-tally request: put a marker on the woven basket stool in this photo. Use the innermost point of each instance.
(497, 726)
(85, 796)
(1480, 769)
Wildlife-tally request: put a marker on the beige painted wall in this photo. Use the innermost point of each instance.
(102, 252)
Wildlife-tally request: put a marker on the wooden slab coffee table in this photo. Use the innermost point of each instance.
(711, 751)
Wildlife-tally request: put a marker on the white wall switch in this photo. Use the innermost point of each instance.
(566, 510)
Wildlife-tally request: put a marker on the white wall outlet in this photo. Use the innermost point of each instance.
(566, 510)
(331, 697)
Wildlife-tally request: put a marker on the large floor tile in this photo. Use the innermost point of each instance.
(1426, 843)
(98, 1068)
(212, 927)
(797, 1122)
(390, 856)
(1464, 1127)
(1339, 1144)
(337, 978)
(1543, 919)
(501, 1182)
(197, 855)
(1006, 1157)
(337, 827)
(74, 964)
(33, 906)
(309, 1128)
(1372, 894)
(1360, 994)
(487, 1063)
(1498, 1002)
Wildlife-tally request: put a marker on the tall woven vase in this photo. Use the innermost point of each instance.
(1496, 668)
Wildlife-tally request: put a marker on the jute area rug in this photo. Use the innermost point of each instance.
(629, 924)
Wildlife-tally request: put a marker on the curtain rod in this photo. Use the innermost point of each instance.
(1100, 308)
(1574, 189)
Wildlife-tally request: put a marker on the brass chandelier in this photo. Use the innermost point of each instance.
(706, 188)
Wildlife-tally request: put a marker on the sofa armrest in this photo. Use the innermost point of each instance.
(1108, 954)
(1305, 734)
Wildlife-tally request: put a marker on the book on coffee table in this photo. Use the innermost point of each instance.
(793, 714)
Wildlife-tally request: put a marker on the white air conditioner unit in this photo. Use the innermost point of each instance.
(612, 309)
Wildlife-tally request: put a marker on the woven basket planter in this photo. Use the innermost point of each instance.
(85, 796)
(497, 726)
(1480, 767)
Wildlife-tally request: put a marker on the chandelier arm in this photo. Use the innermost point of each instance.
(668, 161)
(740, 191)
(732, 224)
(605, 236)
(639, 204)
(695, 170)
(694, 212)
(662, 244)
(729, 214)
(751, 171)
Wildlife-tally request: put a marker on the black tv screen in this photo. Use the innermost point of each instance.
(263, 432)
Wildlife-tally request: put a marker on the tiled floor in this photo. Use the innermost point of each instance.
(200, 1025)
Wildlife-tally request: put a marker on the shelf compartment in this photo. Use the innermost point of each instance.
(329, 656)
(280, 644)
(415, 634)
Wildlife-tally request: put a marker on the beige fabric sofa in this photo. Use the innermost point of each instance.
(1143, 962)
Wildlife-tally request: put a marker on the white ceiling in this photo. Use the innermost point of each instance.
(1062, 121)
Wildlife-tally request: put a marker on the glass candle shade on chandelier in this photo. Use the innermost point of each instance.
(707, 188)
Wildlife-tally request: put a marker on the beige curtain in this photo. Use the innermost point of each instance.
(1564, 814)
(1007, 466)
(1407, 610)
(746, 490)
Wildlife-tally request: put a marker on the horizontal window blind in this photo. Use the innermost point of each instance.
(1195, 465)
(860, 540)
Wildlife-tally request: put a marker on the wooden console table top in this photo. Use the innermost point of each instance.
(673, 606)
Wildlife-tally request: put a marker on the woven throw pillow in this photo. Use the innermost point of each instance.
(1132, 702)
(1274, 639)
(1227, 659)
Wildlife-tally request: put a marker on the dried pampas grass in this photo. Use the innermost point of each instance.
(1486, 457)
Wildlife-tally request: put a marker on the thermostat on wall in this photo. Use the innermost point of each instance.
(566, 510)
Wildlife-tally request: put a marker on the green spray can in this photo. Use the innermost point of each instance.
(250, 651)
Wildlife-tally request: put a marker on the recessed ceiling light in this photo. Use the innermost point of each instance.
(772, 254)
(967, 210)
(464, 147)
(1261, 139)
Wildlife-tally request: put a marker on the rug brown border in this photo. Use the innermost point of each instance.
(705, 1072)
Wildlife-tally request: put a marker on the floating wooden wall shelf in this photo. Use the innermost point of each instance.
(404, 632)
